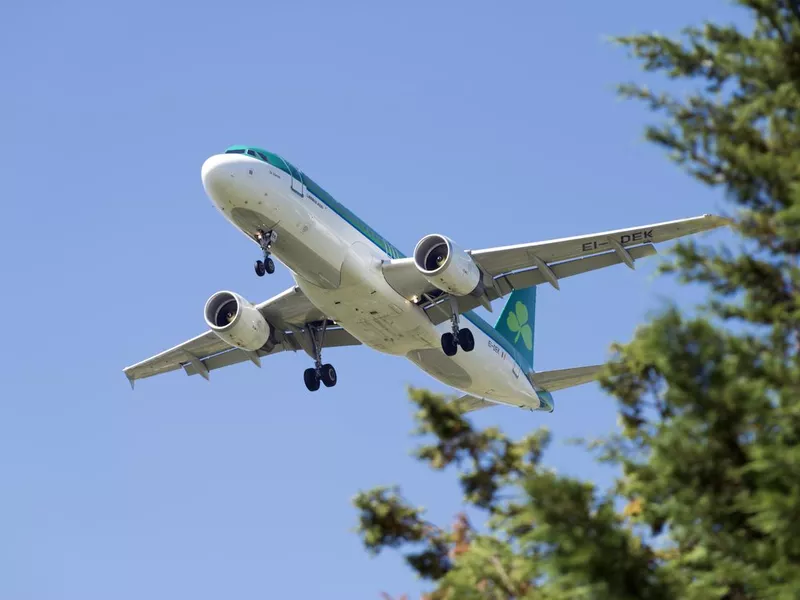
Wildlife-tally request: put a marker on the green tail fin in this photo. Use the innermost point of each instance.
(516, 322)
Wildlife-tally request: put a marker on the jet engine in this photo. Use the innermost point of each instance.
(236, 321)
(447, 266)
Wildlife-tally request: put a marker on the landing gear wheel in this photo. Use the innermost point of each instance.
(466, 340)
(269, 266)
(311, 379)
(320, 372)
(261, 269)
(328, 375)
(449, 344)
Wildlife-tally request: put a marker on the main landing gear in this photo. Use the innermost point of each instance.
(324, 373)
(458, 337)
(265, 240)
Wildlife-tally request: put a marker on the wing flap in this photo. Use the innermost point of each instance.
(287, 312)
(505, 284)
(530, 277)
(526, 265)
(333, 338)
(201, 347)
(496, 261)
(229, 357)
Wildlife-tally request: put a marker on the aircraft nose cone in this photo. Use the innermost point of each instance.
(216, 172)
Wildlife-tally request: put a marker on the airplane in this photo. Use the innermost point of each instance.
(353, 287)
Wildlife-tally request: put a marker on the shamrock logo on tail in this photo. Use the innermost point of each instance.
(518, 323)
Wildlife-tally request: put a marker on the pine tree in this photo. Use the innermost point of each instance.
(709, 446)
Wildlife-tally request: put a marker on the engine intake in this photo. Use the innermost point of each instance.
(235, 321)
(447, 266)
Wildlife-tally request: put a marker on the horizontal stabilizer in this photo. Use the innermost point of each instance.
(553, 381)
(467, 404)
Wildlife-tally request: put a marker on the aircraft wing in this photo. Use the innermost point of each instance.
(290, 313)
(507, 268)
(496, 261)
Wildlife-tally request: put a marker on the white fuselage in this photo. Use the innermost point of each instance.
(339, 270)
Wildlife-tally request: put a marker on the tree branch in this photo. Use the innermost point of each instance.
(777, 26)
(794, 6)
(509, 584)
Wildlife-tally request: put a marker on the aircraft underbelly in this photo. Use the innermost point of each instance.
(376, 315)
(369, 308)
(482, 373)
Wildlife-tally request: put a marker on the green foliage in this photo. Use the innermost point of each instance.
(708, 449)
(386, 521)
(540, 526)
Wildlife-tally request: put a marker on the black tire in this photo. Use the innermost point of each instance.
(269, 265)
(466, 340)
(328, 375)
(260, 269)
(449, 346)
(311, 380)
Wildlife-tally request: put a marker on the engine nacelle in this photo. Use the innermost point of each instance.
(236, 321)
(447, 266)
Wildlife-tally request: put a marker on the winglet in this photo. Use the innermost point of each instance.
(130, 377)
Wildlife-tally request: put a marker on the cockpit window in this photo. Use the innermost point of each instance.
(268, 157)
(295, 171)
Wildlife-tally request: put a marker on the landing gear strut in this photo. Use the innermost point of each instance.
(324, 373)
(265, 240)
(457, 337)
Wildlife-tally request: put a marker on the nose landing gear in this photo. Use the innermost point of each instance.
(458, 337)
(263, 267)
(265, 240)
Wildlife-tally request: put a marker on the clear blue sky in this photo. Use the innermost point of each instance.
(492, 124)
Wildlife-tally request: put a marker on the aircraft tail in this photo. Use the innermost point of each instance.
(545, 382)
(517, 323)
